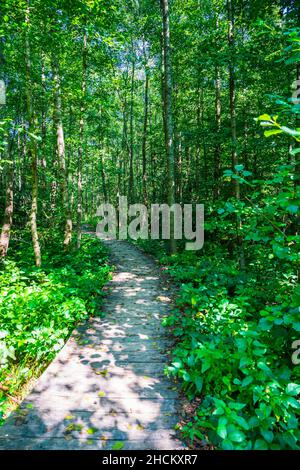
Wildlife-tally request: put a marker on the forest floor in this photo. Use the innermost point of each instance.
(106, 389)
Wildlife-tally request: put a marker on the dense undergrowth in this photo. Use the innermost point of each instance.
(235, 330)
(40, 307)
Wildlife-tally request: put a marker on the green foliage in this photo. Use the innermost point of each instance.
(39, 308)
(234, 330)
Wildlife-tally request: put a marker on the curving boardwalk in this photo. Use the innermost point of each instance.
(106, 389)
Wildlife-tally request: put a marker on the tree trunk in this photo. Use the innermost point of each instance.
(168, 117)
(81, 138)
(234, 156)
(297, 166)
(205, 178)
(103, 178)
(57, 114)
(32, 149)
(9, 206)
(131, 189)
(217, 156)
(144, 139)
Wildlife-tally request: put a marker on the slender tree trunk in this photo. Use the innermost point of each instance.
(81, 138)
(297, 156)
(198, 148)
(297, 166)
(9, 206)
(57, 114)
(131, 188)
(103, 177)
(43, 160)
(232, 99)
(217, 156)
(32, 149)
(205, 175)
(179, 169)
(144, 139)
(168, 117)
(69, 189)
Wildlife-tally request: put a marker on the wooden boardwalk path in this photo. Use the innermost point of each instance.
(106, 389)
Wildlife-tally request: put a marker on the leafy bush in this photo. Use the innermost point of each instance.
(234, 329)
(241, 365)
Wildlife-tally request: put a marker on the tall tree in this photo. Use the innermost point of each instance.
(168, 113)
(9, 203)
(232, 99)
(81, 139)
(32, 146)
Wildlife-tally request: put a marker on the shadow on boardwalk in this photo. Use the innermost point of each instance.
(106, 389)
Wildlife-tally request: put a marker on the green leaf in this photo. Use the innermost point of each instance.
(186, 376)
(241, 421)
(118, 445)
(263, 366)
(236, 436)
(92, 430)
(264, 117)
(260, 445)
(293, 402)
(237, 406)
(244, 361)
(218, 411)
(267, 435)
(247, 381)
(177, 364)
(221, 430)
(239, 167)
(292, 389)
(227, 445)
(272, 132)
(199, 383)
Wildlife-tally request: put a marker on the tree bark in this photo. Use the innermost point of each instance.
(61, 156)
(144, 139)
(81, 138)
(297, 166)
(103, 176)
(9, 207)
(234, 155)
(131, 188)
(168, 117)
(32, 148)
(217, 156)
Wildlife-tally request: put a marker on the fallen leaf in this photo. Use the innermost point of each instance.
(92, 430)
(118, 445)
(69, 417)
